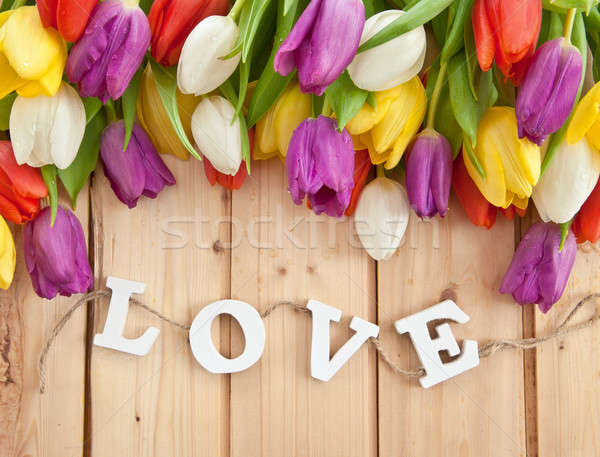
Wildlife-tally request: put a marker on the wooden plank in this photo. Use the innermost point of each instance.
(480, 412)
(163, 404)
(277, 409)
(32, 424)
(568, 370)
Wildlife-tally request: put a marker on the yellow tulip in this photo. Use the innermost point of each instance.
(7, 255)
(153, 117)
(387, 129)
(274, 130)
(32, 58)
(512, 165)
(586, 119)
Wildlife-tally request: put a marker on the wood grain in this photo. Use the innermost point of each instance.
(480, 412)
(32, 424)
(163, 404)
(287, 253)
(568, 370)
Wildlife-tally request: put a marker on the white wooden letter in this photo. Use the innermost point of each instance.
(428, 350)
(320, 366)
(202, 344)
(112, 336)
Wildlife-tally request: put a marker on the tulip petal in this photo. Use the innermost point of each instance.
(585, 116)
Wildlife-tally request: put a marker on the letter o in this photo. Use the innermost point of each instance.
(203, 346)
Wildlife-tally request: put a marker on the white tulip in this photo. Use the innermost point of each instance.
(47, 130)
(381, 217)
(567, 182)
(216, 136)
(201, 67)
(392, 63)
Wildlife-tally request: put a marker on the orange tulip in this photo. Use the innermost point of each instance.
(586, 225)
(229, 182)
(506, 30)
(69, 17)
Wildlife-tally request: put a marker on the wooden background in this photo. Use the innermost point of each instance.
(102, 403)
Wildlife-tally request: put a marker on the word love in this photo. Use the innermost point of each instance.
(322, 366)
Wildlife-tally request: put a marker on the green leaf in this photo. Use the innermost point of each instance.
(92, 106)
(166, 83)
(471, 55)
(271, 85)
(487, 94)
(564, 232)
(145, 5)
(372, 100)
(455, 39)
(561, 6)
(446, 124)
(317, 104)
(372, 7)
(128, 101)
(553, 143)
(75, 176)
(594, 42)
(466, 108)
(418, 15)
(592, 20)
(439, 25)
(346, 99)
(473, 157)
(579, 40)
(287, 6)
(256, 14)
(5, 106)
(49, 175)
(555, 26)
(506, 91)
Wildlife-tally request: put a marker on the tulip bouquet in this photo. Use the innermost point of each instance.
(501, 112)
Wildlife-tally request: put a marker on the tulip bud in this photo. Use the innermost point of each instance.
(567, 182)
(586, 119)
(391, 63)
(480, 212)
(154, 118)
(362, 167)
(511, 165)
(8, 255)
(274, 130)
(138, 170)
(547, 93)
(217, 135)
(32, 58)
(320, 165)
(47, 130)
(21, 187)
(110, 51)
(69, 17)
(322, 43)
(227, 181)
(381, 217)
(56, 255)
(539, 269)
(202, 66)
(171, 21)
(506, 30)
(429, 174)
(387, 130)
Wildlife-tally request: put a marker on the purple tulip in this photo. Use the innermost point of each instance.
(109, 52)
(547, 93)
(56, 256)
(322, 43)
(136, 171)
(539, 270)
(429, 174)
(320, 164)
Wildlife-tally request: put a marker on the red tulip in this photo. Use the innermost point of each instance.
(171, 21)
(362, 167)
(586, 225)
(481, 212)
(506, 30)
(509, 212)
(21, 187)
(69, 17)
(228, 181)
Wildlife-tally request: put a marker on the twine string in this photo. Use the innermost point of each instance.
(485, 350)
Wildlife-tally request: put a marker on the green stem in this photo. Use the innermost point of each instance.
(237, 8)
(111, 112)
(380, 171)
(435, 96)
(326, 111)
(17, 4)
(569, 20)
